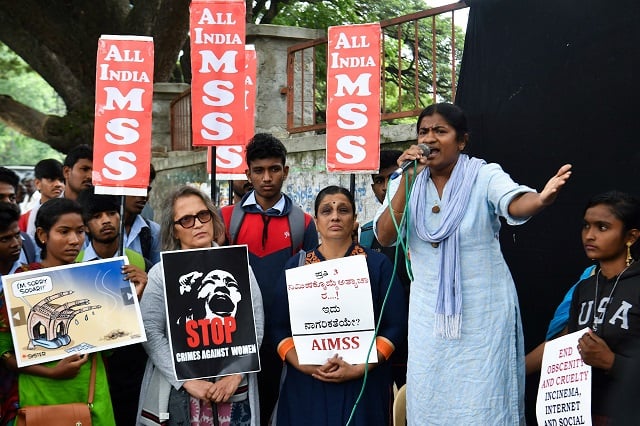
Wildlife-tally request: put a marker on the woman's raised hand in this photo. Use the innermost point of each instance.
(550, 192)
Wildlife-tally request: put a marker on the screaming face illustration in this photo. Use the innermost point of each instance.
(221, 294)
(215, 295)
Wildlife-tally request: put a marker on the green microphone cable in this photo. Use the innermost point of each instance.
(401, 244)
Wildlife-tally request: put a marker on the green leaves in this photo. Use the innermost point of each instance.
(11, 65)
(319, 14)
(23, 84)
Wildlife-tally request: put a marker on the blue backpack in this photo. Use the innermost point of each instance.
(366, 235)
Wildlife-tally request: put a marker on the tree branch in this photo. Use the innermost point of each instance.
(61, 133)
(249, 11)
(258, 8)
(58, 39)
(142, 17)
(42, 60)
(170, 32)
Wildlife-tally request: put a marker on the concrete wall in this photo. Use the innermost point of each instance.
(306, 157)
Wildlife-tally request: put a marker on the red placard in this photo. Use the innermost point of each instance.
(122, 132)
(217, 66)
(250, 78)
(230, 160)
(353, 98)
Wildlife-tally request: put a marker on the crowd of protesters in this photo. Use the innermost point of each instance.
(463, 355)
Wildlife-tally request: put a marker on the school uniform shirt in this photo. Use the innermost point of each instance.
(268, 238)
(132, 239)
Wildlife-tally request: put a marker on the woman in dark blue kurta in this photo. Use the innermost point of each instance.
(325, 395)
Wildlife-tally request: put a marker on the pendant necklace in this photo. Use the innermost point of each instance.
(594, 326)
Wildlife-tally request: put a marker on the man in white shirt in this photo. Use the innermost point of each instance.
(50, 182)
(32, 195)
(141, 235)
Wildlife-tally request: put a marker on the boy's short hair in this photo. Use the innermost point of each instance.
(9, 213)
(93, 203)
(265, 145)
(49, 169)
(388, 158)
(9, 176)
(77, 153)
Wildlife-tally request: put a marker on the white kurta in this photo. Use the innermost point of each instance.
(478, 379)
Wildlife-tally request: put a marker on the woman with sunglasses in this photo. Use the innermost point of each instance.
(189, 221)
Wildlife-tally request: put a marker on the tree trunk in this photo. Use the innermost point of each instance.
(59, 40)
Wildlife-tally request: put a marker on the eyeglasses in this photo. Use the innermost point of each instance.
(189, 221)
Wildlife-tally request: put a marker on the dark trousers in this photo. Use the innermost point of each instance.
(268, 381)
(125, 369)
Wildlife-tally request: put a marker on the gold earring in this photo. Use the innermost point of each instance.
(629, 259)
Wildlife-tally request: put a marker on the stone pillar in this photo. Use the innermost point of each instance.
(271, 42)
(163, 94)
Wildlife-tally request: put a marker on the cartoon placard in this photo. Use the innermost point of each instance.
(78, 308)
(331, 310)
(210, 316)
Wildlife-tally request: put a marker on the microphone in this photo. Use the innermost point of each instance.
(405, 165)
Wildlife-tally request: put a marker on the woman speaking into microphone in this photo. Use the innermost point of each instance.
(466, 352)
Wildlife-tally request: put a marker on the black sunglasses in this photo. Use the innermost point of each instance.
(189, 221)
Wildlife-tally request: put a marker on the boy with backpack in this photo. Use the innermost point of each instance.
(274, 229)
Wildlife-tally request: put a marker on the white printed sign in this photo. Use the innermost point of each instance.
(331, 310)
(564, 393)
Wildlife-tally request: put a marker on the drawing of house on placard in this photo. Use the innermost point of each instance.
(68, 309)
(48, 323)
